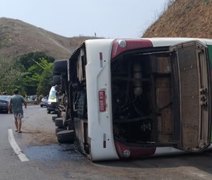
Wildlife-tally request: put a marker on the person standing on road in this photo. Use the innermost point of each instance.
(16, 105)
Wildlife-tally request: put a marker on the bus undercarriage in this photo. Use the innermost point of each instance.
(142, 97)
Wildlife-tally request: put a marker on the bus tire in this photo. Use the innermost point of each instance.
(56, 80)
(58, 130)
(60, 66)
(66, 137)
(59, 122)
(53, 118)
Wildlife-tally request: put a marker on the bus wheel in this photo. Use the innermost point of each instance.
(66, 136)
(59, 122)
(53, 118)
(58, 130)
(60, 66)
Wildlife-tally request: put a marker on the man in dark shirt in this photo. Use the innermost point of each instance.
(16, 105)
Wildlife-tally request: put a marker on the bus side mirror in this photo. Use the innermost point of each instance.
(56, 80)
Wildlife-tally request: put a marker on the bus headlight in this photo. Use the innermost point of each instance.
(122, 43)
(126, 153)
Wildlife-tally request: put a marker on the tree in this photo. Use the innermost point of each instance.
(37, 68)
(38, 77)
(9, 75)
(45, 82)
(27, 60)
(30, 73)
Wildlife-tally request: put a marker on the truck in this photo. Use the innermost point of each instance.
(125, 98)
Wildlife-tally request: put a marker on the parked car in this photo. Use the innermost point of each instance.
(4, 103)
(44, 102)
(32, 99)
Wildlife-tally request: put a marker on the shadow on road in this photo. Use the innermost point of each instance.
(202, 161)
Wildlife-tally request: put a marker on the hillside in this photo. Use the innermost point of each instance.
(18, 38)
(184, 18)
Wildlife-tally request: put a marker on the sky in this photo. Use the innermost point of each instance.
(103, 18)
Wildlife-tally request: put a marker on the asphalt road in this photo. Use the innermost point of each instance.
(49, 160)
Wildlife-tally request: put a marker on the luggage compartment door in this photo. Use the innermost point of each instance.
(192, 96)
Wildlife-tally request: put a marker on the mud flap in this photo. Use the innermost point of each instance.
(192, 94)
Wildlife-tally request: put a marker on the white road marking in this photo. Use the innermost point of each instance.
(15, 146)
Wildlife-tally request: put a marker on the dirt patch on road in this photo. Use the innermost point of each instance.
(39, 137)
(38, 127)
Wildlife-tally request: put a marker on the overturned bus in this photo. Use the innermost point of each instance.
(124, 98)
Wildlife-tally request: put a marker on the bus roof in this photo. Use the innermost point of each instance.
(156, 41)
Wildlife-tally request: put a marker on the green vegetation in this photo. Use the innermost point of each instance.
(30, 73)
(8, 75)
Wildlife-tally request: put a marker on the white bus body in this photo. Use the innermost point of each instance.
(129, 96)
